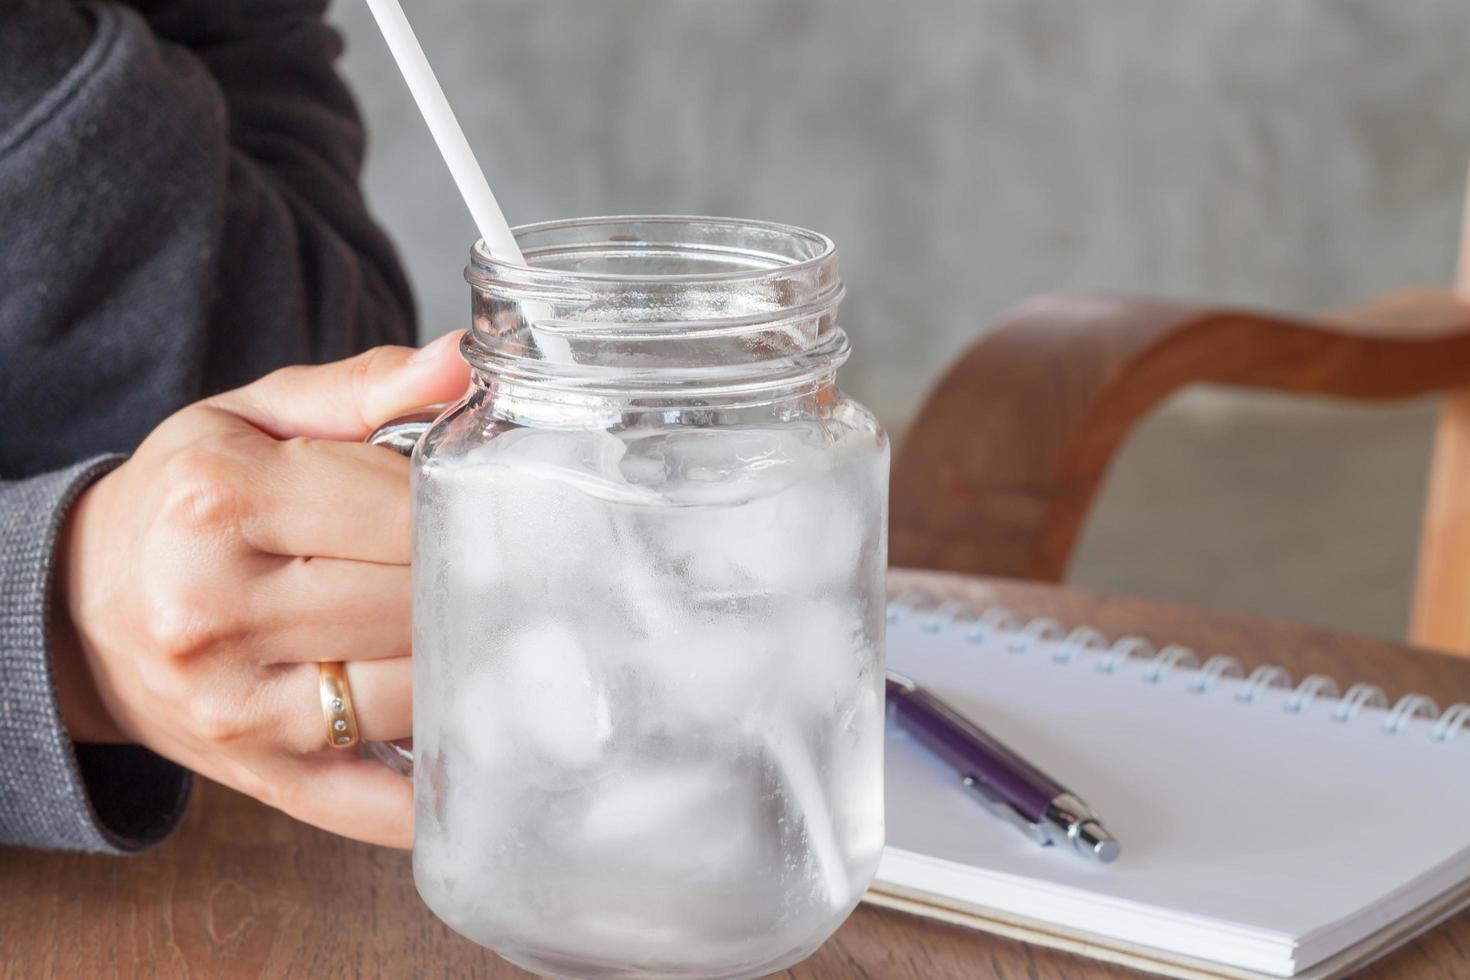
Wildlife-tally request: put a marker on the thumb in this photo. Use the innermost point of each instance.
(347, 400)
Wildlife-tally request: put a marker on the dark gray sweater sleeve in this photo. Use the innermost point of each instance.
(179, 214)
(89, 797)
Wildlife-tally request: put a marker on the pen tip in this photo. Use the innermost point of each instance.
(1094, 840)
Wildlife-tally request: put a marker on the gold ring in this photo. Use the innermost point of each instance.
(337, 705)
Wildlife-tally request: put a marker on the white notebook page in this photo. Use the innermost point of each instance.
(1251, 835)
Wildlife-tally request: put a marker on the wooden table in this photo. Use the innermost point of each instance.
(242, 891)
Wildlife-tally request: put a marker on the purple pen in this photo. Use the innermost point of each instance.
(1006, 784)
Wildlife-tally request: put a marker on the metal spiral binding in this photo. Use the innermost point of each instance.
(1033, 632)
(1081, 639)
(1454, 717)
(1068, 647)
(1218, 666)
(1124, 649)
(1172, 655)
(1261, 680)
(993, 621)
(1306, 692)
(945, 616)
(1410, 706)
(1357, 696)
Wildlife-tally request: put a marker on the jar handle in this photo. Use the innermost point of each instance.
(401, 435)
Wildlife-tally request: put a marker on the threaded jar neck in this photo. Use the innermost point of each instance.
(666, 306)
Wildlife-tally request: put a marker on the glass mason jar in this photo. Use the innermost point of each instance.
(648, 568)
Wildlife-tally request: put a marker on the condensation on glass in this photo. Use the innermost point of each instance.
(648, 607)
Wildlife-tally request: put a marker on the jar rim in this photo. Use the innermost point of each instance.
(684, 303)
(824, 251)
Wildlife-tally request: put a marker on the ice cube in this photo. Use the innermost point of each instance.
(467, 819)
(857, 760)
(757, 507)
(724, 667)
(807, 537)
(454, 531)
(526, 495)
(553, 701)
(675, 850)
(695, 820)
(536, 703)
(826, 654)
(791, 756)
(586, 459)
(695, 466)
(709, 670)
(479, 721)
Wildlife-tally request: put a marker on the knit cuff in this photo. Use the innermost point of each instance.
(109, 798)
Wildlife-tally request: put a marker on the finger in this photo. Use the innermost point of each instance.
(329, 500)
(348, 399)
(382, 700)
(347, 795)
(326, 609)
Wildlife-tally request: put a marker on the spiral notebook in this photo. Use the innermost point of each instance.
(1267, 829)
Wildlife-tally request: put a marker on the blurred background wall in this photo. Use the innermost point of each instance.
(966, 154)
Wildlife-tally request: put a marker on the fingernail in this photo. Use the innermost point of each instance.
(431, 350)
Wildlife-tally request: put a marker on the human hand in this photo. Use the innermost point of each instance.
(251, 536)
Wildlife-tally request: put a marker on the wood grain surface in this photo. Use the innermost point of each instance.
(243, 891)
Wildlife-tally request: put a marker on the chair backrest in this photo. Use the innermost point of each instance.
(1441, 615)
(999, 469)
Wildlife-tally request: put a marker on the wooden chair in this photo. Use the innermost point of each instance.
(1003, 460)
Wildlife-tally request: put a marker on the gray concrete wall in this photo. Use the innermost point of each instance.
(964, 153)
(968, 153)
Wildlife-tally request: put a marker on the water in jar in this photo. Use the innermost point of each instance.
(648, 692)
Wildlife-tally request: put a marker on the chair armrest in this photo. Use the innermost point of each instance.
(1000, 466)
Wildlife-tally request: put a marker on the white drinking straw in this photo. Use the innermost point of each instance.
(446, 131)
(804, 789)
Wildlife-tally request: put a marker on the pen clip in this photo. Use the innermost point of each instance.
(998, 806)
